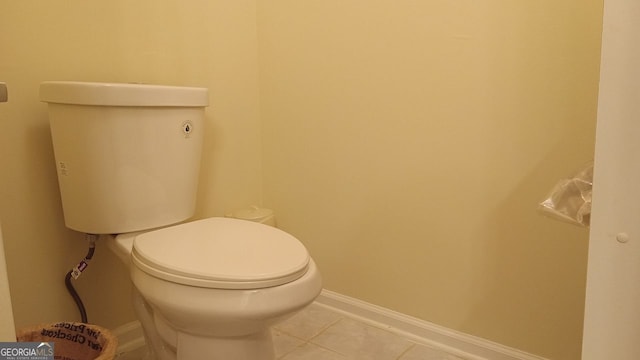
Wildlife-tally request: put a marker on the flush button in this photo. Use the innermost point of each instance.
(187, 128)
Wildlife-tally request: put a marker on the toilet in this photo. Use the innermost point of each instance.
(128, 158)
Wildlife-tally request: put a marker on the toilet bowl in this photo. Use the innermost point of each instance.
(222, 308)
(128, 159)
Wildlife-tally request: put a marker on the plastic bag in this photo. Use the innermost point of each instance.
(570, 199)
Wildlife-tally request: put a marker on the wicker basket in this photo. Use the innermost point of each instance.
(73, 341)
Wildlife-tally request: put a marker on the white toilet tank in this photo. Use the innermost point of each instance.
(127, 155)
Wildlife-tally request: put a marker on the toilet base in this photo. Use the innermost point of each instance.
(257, 346)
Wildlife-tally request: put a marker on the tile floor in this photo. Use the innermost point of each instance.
(319, 333)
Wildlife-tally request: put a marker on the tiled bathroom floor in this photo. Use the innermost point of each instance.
(319, 333)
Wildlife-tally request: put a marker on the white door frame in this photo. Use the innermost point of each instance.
(612, 308)
(7, 327)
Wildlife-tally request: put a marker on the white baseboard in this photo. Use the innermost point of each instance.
(130, 338)
(420, 331)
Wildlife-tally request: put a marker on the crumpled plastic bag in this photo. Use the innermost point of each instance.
(570, 199)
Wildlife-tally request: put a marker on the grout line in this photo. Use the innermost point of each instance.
(302, 342)
(348, 317)
(347, 357)
(368, 322)
(291, 335)
(325, 328)
(406, 351)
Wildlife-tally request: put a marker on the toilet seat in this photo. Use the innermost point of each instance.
(221, 253)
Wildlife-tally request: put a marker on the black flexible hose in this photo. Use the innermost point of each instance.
(69, 285)
(75, 296)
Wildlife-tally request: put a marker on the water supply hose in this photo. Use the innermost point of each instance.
(77, 271)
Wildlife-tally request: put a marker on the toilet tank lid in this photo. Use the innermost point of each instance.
(122, 94)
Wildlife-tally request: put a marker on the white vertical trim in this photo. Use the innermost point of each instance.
(612, 306)
(423, 332)
(7, 327)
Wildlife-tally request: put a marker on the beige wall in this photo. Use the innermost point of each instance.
(407, 144)
(208, 43)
